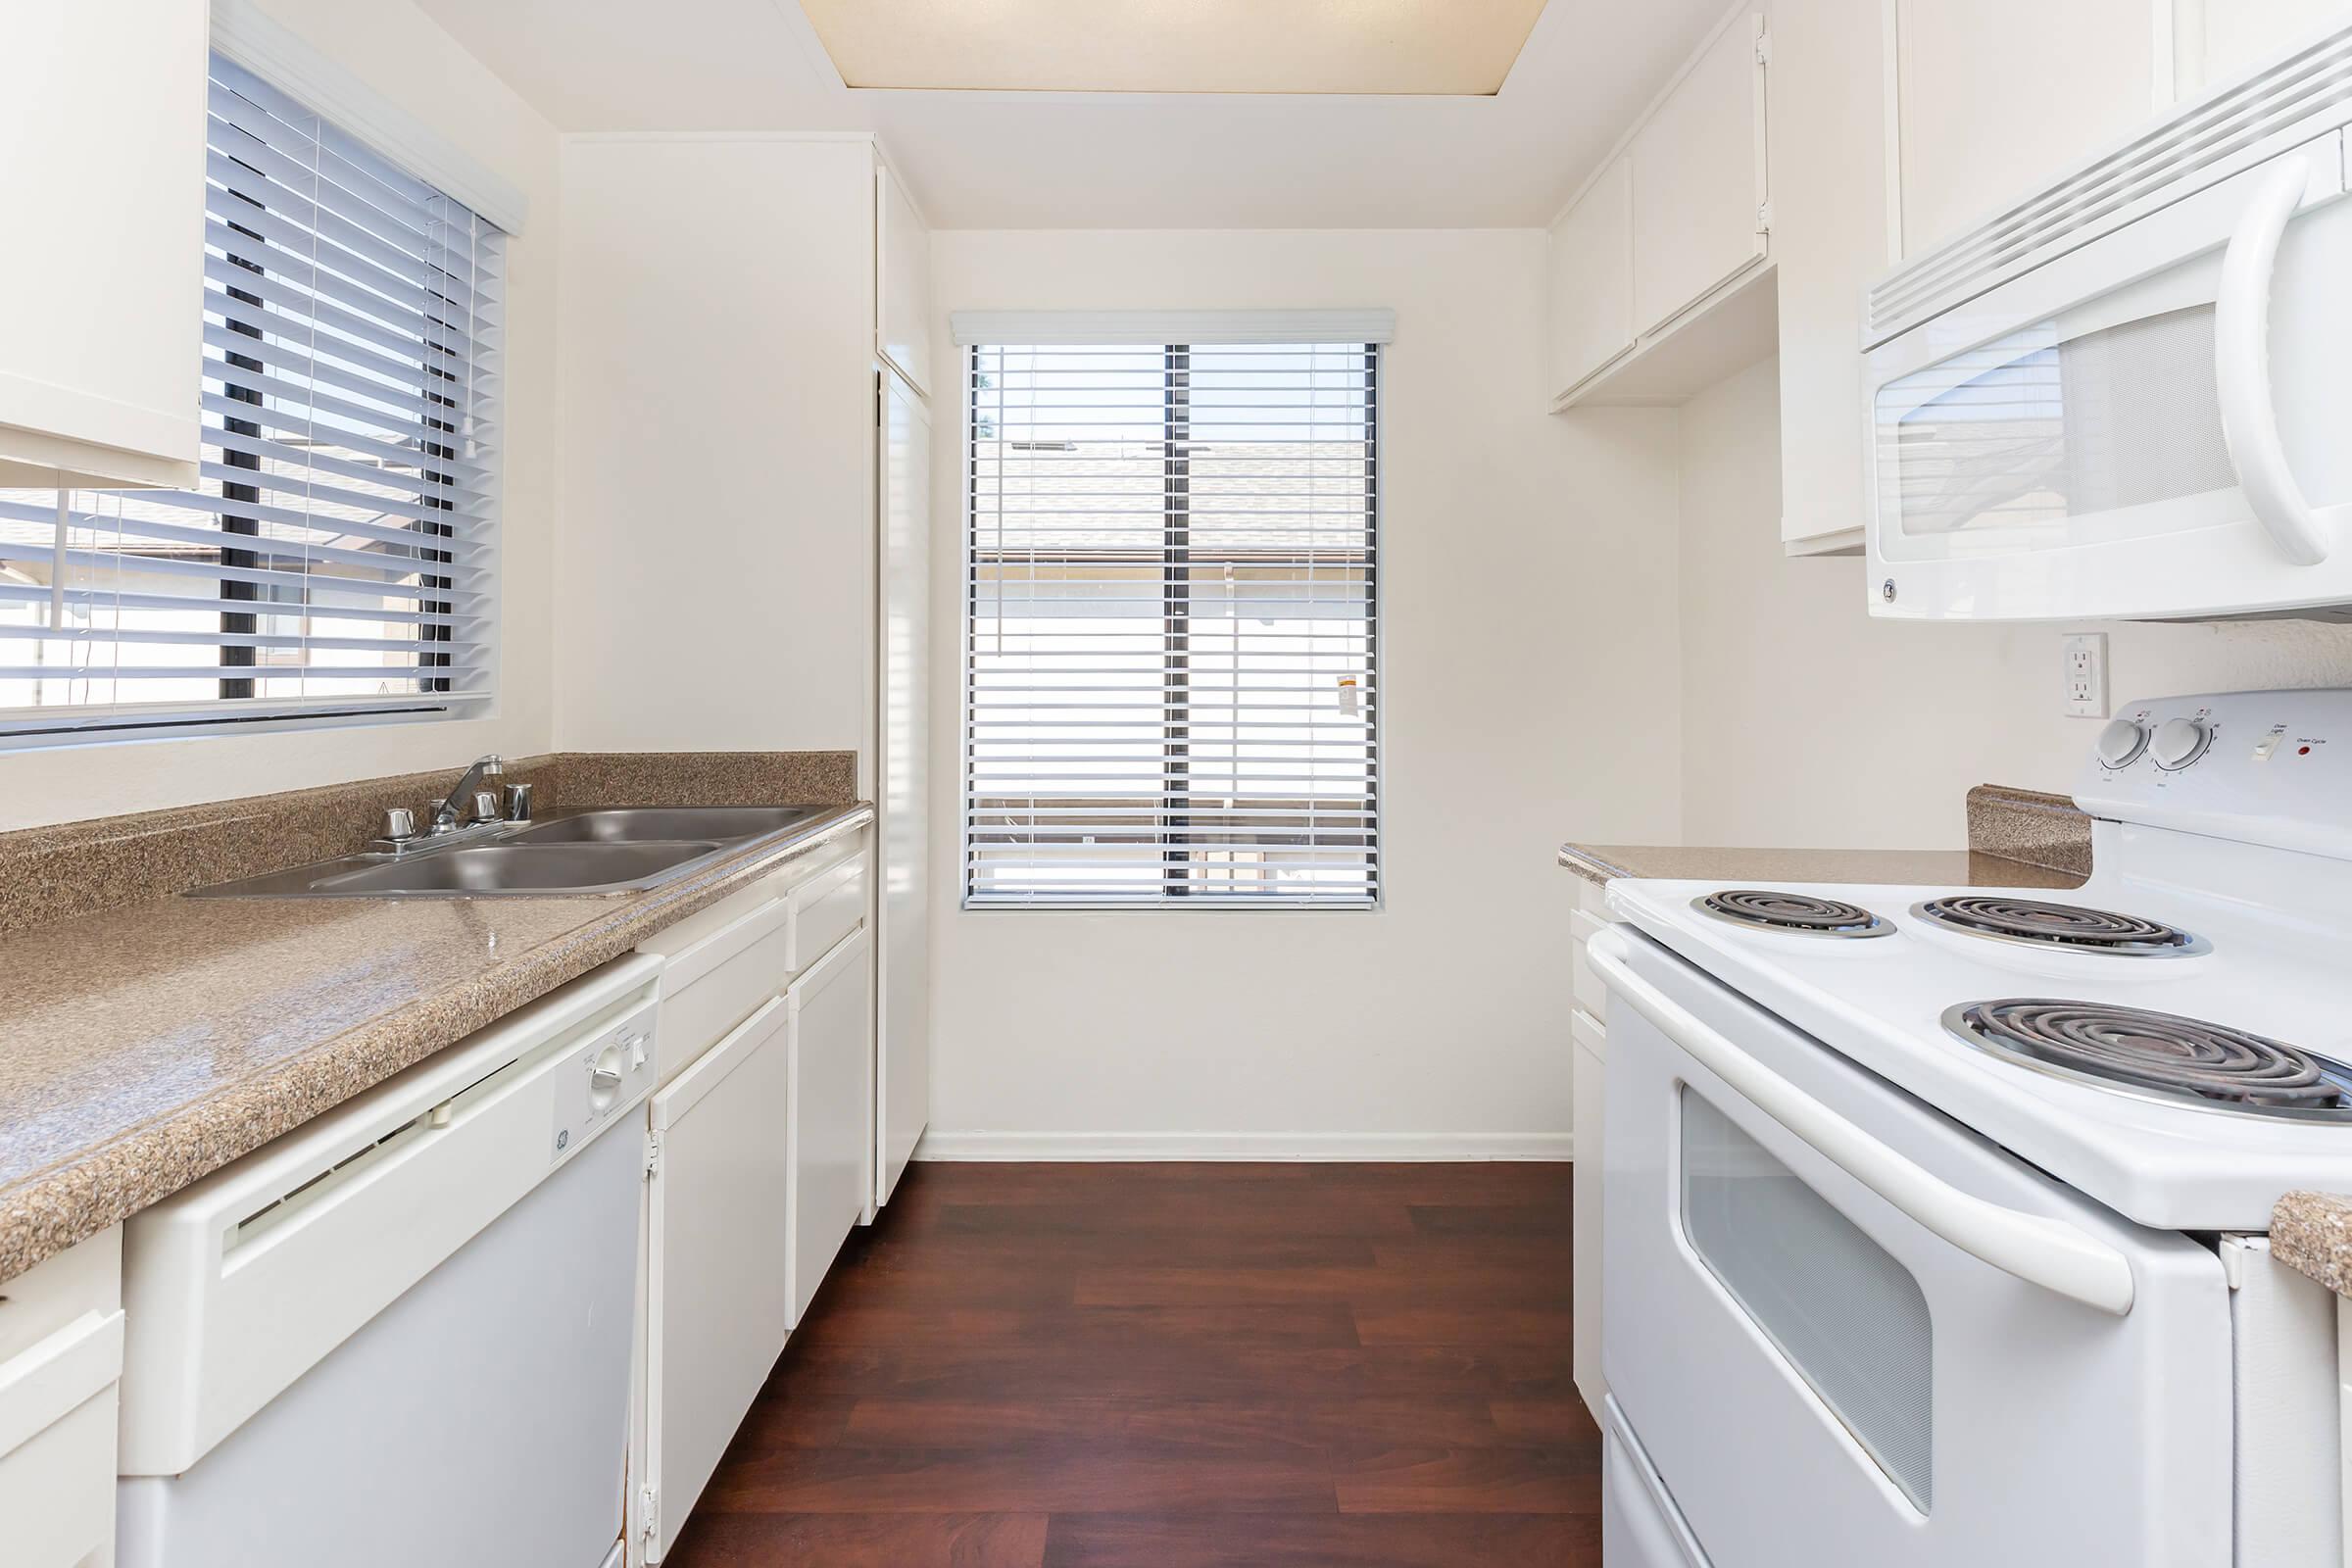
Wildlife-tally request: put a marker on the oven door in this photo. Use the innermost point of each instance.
(1851, 1331)
(2148, 427)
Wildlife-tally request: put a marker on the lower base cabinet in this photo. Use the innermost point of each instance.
(61, 1356)
(760, 1161)
(718, 1303)
(832, 1099)
(1588, 1065)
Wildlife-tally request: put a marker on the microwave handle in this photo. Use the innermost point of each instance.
(2040, 1250)
(2242, 332)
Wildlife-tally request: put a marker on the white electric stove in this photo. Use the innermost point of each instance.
(1933, 1218)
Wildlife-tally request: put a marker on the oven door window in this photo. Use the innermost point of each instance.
(2051, 436)
(1847, 1317)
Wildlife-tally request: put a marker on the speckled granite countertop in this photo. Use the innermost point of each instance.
(2017, 839)
(2312, 1233)
(1971, 868)
(144, 1046)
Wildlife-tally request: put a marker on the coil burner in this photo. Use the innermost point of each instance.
(2158, 1055)
(2035, 923)
(1798, 913)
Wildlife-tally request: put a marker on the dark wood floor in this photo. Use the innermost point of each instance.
(1176, 1366)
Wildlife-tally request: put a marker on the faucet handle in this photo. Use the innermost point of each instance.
(518, 801)
(399, 823)
(485, 806)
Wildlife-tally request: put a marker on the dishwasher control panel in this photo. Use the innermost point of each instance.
(602, 1076)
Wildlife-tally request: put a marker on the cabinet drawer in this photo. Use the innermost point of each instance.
(825, 909)
(713, 983)
(85, 1278)
(57, 1442)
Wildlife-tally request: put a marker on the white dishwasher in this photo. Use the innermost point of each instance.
(401, 1333)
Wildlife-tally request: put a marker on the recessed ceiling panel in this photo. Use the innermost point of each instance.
(1377, 47)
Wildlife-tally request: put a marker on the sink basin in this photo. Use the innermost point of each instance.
(518, 867)
(639, 824)
(617, 850)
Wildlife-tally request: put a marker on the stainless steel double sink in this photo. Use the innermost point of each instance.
(624, 850)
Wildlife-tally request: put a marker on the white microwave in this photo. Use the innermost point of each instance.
(2130, 396)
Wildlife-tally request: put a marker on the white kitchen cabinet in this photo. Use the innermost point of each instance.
(1698, 178)
(1588, 1065)
(61, 1359)
(101, 116)
(1994, 96)
(718, 1301)
(2217, 41)
(831, 1111)
(1592, 287)
(1659, 279)
(1829, 242)
(902, 282)
(902, 947)
(1587, 1044)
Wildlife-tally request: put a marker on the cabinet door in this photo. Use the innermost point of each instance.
(1585, 1086)
(1593, 279)
(101, 116)
(2219, 40)
(718, 1300)
(832, 1116)
(901, 284)
(1829, 241)
(1995, 96)
(902, 956)
(1697, 179)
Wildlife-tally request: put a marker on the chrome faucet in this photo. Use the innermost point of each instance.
(449, 811)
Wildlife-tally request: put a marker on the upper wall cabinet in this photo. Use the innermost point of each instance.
(102, 123)
(1829, 241)
(2217, 40)
(1593, 279)
(1658, 287)
(1992, 95)
(902, 282)
(1699, 178)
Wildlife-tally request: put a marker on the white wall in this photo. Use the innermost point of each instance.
(717, 439)
(1529, 667)
(1807, 723)
(399, 53)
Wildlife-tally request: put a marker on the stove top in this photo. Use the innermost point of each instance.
(2002, 917)
(2187, 1093)
(1798, 913)
(2140, 1051)
(2161, 1158)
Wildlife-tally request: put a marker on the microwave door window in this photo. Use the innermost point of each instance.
(2038, 439)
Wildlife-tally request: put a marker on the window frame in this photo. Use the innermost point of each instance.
(1375, 350)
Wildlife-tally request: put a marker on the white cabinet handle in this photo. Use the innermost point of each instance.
(2241, 352)
(2040, 1250)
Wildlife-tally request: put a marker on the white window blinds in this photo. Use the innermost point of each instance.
(1172, 584)
(337, 553)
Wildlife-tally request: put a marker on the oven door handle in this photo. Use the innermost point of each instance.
(2242, 362)
(2043, 1252)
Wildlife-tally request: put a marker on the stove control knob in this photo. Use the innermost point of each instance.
(2122, 742)
(2180, 742)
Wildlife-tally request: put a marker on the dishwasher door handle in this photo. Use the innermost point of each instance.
(2037, 1250)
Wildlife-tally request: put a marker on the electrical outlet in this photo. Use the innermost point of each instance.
(2085, 655)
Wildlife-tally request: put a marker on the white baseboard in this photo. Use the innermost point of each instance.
(938, 1145)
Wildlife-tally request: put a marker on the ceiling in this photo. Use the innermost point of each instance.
(1198, 46)
(1108, 160)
